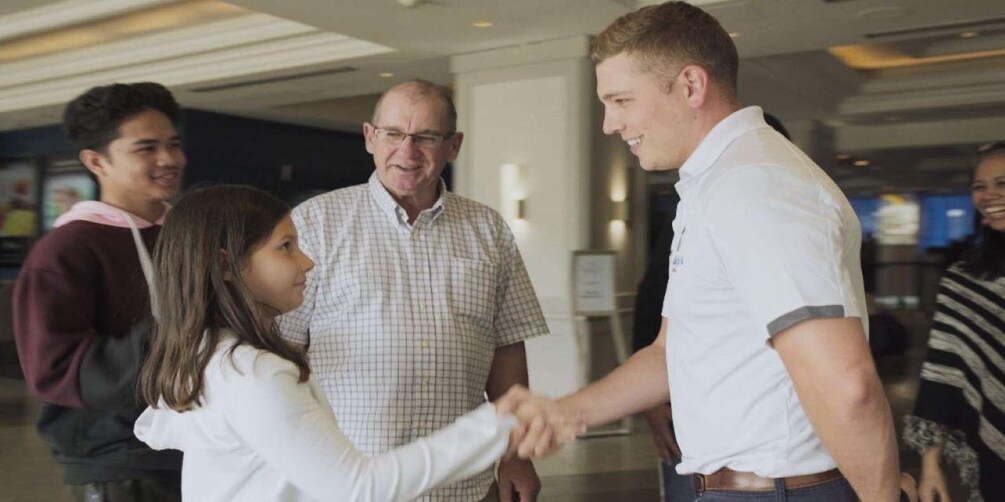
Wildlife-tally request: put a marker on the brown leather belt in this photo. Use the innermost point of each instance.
(726, 479)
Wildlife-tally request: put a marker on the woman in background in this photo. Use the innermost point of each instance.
(960, 412)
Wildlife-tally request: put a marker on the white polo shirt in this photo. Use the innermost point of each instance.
(763, 239)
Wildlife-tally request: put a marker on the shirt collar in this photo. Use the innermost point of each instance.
(718, 139)
(394, 210)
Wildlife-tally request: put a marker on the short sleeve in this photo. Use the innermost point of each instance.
(519, 315)
(784, 243)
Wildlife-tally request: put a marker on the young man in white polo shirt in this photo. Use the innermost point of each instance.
(775, 395)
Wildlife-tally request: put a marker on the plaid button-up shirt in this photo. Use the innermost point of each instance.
(403, 320)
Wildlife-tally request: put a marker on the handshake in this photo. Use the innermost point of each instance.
(544, 425)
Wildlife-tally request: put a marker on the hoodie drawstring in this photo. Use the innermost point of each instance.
(145, 263)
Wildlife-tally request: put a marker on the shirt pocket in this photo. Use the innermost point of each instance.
(472, 291)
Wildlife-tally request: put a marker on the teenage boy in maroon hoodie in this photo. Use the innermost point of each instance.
(81, 304)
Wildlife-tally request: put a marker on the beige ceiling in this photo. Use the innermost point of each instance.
(335, 50)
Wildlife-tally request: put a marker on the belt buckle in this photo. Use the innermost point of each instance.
(699, 483)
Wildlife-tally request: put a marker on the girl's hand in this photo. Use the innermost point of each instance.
(544, 425)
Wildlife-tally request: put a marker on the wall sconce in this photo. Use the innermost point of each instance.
(512, 195)
(620, 210)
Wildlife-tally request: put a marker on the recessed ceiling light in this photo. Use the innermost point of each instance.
(481, 24)
(861, 163)
(386, 74)
(842, 156)
(969, 34)
(734, 34)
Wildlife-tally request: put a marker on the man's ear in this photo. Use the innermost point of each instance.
(455, 145)
(369, 131)
(696, 84)
(224, 264)
(94, 161)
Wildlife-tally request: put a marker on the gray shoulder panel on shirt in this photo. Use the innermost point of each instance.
(801, 314)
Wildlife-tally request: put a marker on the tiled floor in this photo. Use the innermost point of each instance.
(595, 469)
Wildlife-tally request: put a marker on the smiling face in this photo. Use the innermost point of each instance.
(988, 191)
(410, 172)
(276, 271)
(654, 121)
(143, 165)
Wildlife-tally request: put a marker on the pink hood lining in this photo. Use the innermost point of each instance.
(105, 214)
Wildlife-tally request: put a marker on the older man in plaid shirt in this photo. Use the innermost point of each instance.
(420, 302)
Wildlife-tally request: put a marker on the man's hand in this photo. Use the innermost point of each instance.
(663, 435)
(518, 477)
(543, 424)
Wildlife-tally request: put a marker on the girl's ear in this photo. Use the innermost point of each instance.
(225, 266)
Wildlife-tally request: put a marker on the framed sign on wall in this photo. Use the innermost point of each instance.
(594, 295)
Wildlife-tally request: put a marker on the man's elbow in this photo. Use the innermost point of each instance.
(857, 391)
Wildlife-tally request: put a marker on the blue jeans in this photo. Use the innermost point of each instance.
(676, 488)
(832, 491)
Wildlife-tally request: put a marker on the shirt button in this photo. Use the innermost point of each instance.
(424, 344)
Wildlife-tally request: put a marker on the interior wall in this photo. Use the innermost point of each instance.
(534, 111)
(615, 180)
(537, 107)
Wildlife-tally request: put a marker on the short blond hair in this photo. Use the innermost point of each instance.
(664, 38)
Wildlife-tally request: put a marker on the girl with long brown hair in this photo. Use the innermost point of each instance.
(239, 401)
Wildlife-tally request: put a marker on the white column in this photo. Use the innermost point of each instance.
(535, 106)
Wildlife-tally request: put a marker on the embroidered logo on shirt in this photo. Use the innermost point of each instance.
(676, 260)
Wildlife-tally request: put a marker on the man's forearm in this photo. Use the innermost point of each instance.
(638, 384)
(509, 368)
(838, 386)
(859, 434)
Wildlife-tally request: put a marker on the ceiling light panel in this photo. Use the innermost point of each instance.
(143, 22)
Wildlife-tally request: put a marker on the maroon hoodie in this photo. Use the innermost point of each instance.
(81, 310)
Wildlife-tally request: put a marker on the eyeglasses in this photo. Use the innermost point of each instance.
(422, 140)
(993, 147)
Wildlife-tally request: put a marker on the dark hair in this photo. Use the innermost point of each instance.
(427, 89)
(664, 38)
(92, 119)
(206, 239)
(986, 256)
(777, 125)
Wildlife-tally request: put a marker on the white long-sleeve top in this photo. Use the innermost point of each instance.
(261, 435)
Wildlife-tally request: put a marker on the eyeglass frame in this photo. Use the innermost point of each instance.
(418, 139)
